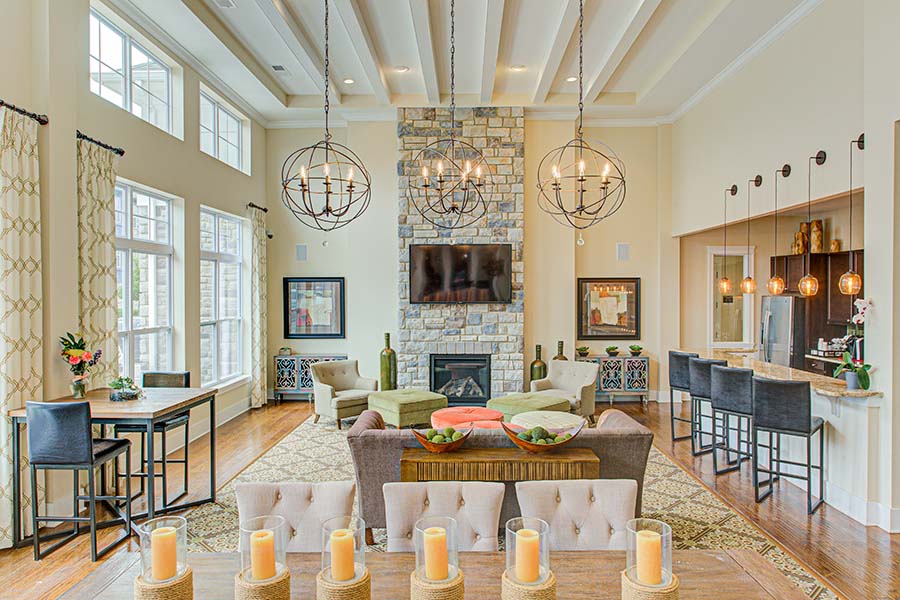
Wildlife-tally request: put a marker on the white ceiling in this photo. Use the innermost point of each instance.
(643, 59)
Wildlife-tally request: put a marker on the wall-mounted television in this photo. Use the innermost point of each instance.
(460, 273)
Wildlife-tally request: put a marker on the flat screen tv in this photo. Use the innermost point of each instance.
(460, 273)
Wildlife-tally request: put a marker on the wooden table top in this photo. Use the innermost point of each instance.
(155, 402)
(704, 575)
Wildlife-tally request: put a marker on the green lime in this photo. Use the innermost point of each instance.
(438, 439)
(448, 432)
(431, 433)
(524, 436)
(541, 442)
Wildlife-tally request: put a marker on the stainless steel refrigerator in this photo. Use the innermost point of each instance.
(782, 335)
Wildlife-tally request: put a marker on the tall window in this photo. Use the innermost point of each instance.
(220, 296)
(144, 277)
(220, 132)
(128, 75)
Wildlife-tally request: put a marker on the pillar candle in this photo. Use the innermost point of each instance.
(436, 561)
(342, 551)
(163, 554)
(528, 552)
(649, 557)
(262, 554)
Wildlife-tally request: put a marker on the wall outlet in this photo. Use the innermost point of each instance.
(302, 252)
(623, 251)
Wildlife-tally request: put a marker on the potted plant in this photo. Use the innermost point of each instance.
(856, 374)
(80, 359)
(582, 351)
(635, 349)
(612, 350)
(123, 389)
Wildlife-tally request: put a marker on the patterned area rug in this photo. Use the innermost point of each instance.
(320, 452)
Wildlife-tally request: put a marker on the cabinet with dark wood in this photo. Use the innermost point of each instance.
(840, 307)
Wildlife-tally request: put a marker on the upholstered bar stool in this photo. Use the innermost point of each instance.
(732, 399)
(784, 408)
(679, 380)
(701, 391)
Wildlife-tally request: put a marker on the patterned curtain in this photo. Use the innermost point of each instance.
(21, 305)
(98, 308)
(258, 314)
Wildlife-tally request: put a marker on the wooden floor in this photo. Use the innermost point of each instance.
(856, 561)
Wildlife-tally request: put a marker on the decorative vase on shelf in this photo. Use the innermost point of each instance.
(79, 389)
(852, 380)
(538, 366)
(388, 365)
(559, 351)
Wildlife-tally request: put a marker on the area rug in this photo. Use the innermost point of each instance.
(320, 452)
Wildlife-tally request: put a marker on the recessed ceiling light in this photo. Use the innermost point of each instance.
(349, 81)
(571, 79)
(279, 68)
(401, 68)
(517, 68)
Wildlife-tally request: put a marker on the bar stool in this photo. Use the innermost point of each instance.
(158, 379)
(701, 392)
(59, 438)
(785, 408)
(732, 398)
(680, 380)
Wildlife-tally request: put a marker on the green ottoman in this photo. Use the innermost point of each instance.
(401, 408)
(514, 404)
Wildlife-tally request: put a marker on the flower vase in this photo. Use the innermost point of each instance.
(388, 365)
(538, 366)
(852, 379)
(79, 389)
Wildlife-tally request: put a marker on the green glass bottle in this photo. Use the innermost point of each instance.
(538, 366)
(559, 351)
(388, 365)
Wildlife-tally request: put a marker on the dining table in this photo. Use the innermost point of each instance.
(153, 406)
(595, 575)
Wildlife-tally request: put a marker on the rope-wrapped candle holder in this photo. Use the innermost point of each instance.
(264, 574)
(344, 575)
(648, 562)
(164, 571)
(528, 575)
(437, 575)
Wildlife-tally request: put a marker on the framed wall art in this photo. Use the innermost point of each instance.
(609, 308)
(314, 307)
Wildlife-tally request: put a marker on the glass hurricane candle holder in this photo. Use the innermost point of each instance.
(648, 557)
(163, 549)
(263, 547)
(527, 550)
(437, 549)
(343, 550)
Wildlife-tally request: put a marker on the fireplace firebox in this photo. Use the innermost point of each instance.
(464, 378)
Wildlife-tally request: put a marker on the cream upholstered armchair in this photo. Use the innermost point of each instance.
(304, 506)
(584, 514)
(575, 381)
(339, 390)
(475, 505)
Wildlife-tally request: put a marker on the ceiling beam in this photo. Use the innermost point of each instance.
(611, 62)
(351, 16)
(281, 18)
(421, 16)
(215, 25)
(493, 23)
(568, 20)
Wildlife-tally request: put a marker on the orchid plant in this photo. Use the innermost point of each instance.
(857, 321)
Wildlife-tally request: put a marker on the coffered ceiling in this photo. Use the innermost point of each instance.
(644, 59)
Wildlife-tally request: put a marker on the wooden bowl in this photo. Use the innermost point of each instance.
(446, 447)
(512, 431)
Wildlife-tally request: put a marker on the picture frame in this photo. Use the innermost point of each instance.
(609, 308)
(314, 308)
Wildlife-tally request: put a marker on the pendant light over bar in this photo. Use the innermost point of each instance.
(580, 184)
(748, 284)
(326, 186)
(851, 282)
(775, 285)
(455, 177)
(725, 285)
(809, 285)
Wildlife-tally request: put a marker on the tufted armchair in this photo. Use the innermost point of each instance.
(575, 381)
(584, 514)
(474, 504)
(304, 506)
(339, 390)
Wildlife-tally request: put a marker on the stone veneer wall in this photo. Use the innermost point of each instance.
(495, 329)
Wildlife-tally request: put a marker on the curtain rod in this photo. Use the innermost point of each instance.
(42, 119)
(258, 207)
(81, 136)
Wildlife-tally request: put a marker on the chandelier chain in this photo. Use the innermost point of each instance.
(850, 229)
(580, 67)
(452, 66)
(327, 102)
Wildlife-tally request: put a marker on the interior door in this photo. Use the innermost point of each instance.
(728, 309)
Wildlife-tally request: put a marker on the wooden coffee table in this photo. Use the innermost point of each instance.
(498, 464)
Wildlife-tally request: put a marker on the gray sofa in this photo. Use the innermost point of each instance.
(621, 443)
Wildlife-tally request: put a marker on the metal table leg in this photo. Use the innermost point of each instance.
(151, 472)
(16, 486)
(212, 449)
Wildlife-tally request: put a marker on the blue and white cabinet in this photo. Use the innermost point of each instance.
(622, 376)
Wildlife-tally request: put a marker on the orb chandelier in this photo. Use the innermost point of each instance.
(748, 284)
(725, 285)
(455, 183)
(581, 184)
(851, 282)
(325, 185)
(809, 285)
(775, 285)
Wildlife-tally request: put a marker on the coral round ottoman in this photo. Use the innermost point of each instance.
(459, 415)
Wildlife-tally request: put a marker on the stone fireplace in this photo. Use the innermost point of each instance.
(492, 330)
(464, 378)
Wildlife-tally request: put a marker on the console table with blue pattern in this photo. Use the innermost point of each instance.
(292, 375)
(622, 376)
